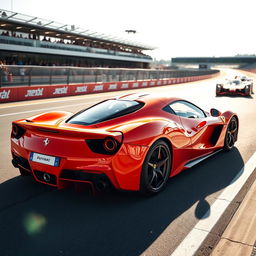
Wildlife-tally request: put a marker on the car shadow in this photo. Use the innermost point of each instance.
(235, 96)
(39, 220)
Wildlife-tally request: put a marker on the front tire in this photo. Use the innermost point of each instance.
(231, 134)
(218, 91)
(156, 168)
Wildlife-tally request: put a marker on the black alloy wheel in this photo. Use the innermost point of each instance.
(156, 168)
(231, 134)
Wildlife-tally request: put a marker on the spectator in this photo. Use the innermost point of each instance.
(22, 73)
(3, 72)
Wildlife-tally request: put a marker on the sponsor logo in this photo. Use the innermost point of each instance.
(98, 88)
(145, 84)
(62, 90)
(81, 89)
(36, 92)
(124, 86)
(46, 141)
(112, 86)
(159, 82)
(152, 83)
(5, 94)
(134, 85)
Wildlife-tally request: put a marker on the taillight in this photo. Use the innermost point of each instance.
(107, 146)
(17, 131)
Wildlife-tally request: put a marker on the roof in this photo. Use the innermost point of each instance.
(19, 21)
(155, 99)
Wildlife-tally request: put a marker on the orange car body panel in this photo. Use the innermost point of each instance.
(188, 140)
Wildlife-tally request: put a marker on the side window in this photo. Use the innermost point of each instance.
(186, 109)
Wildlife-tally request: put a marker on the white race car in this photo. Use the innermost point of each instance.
(238, 86)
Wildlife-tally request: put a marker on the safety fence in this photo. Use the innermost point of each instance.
(21, 75)
(20, 93)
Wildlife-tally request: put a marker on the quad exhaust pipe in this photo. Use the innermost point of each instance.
(100, 185)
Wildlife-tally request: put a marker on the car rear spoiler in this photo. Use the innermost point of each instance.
(65, 131)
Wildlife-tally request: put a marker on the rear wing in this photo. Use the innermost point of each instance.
(64, 130)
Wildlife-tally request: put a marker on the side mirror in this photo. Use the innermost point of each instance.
(214, 112)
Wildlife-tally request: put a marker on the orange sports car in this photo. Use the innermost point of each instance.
(133, 142)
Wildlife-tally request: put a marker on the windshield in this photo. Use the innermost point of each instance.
(104, 111)
(236, 82)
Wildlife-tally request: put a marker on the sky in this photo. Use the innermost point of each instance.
(177, 28)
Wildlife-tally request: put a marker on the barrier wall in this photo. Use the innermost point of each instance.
(250, 70)
(11, 94)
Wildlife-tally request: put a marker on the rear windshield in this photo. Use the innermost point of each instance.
(104, 111)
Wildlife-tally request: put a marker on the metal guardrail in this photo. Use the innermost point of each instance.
(21, 75)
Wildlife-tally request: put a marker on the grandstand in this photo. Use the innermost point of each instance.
(27, 40)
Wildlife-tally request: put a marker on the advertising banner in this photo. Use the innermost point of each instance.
(11, 94)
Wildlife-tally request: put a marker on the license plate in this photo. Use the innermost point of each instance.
(44, 159)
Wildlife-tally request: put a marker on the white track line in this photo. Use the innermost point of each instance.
(42, 109)
(194, 239)
(48, 100)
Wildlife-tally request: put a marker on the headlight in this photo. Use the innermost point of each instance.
(246, 88)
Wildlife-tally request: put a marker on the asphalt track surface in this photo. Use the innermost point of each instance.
(39, 220)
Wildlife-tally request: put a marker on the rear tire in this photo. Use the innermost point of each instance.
(231, 134)
(249, 91)
(156, 169)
